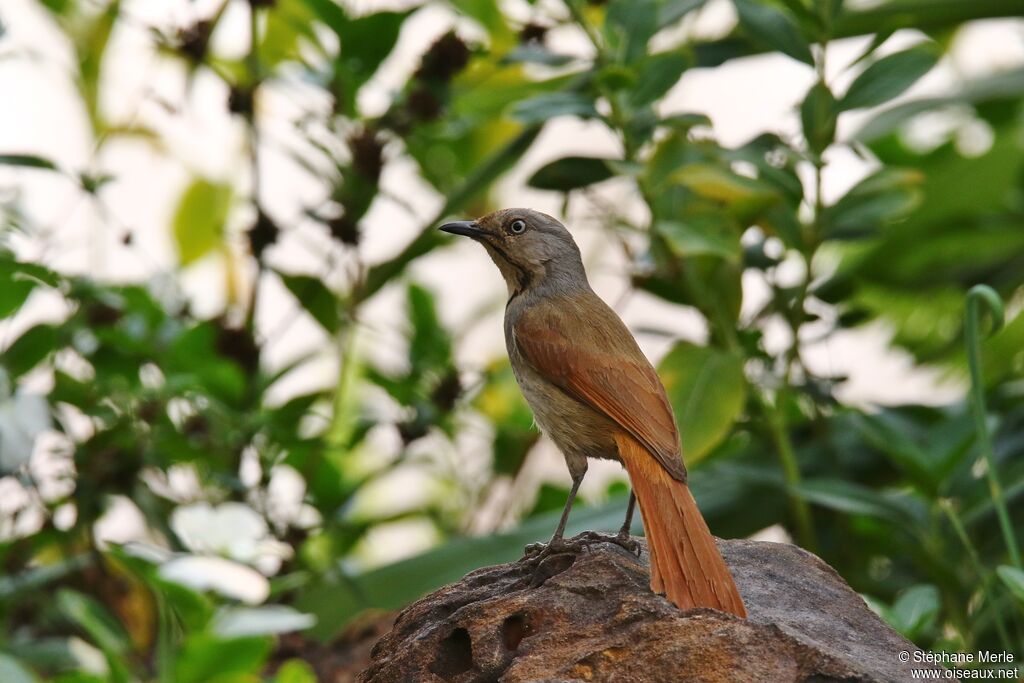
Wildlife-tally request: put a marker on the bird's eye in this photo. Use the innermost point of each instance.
(517, 227)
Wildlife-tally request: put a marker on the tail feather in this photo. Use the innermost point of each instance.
(685, 562)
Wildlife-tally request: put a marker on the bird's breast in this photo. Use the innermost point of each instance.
(576, 428)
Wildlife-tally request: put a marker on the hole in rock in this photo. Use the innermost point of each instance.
(553, 566)
(514, 629)
(454, 655)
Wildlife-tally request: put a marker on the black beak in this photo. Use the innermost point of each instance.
(465, 228)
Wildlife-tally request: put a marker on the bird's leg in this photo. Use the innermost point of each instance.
(557, 543)
(623, 539)
(560, 529)
(628, 522)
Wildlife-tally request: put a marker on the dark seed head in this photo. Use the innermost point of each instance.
(445, 58)
(447, 392)
(262, 234)
(424, 104)
(533, 33)
(101, 315)
(194, 40)
(237, 344)
(240, 100)
(344, 229)
(367, 154)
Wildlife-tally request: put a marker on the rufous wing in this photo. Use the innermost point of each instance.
(585, 349)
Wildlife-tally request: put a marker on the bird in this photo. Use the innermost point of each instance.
(596, 395)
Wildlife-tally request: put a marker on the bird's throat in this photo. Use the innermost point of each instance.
(517, 277)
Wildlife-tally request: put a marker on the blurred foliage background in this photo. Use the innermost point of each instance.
(251, 500)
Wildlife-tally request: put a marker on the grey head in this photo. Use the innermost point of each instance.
(531, 249)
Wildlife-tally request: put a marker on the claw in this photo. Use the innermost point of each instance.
(625, 541)
(535, 553)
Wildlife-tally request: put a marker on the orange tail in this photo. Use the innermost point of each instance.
(685, 563)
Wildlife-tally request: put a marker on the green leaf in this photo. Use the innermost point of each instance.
(707, 390)
(367, 41)
(716, 182)
(489, 15)
(91, 38)
(94, 619)
(883, 197)
(921, 16)
(877, 40)
(365, 44)
(204, 657)
(63, 654)
(13, 671)
(199, 220)
(193, 358)
(947, 195)
(685, 121)
(532, 53)
(628, 25)
(671, 11)
(13, 289)
(894, 440)
(1003, 86)
(889, 77)
(28, 350)
(430, 346)
(314, 296)
(287, 21)
(192, 608)
(295, 671)
(571, 173)
(915, 610)
(549, 105)
(774, 28)
(1013, 578)
(28, 161)
(818, 116)
(853, 499)
(744, 196)
(330, 13)
(265, 620)
(101, 626)
(38, 577)
(701, 236)
(656, 74)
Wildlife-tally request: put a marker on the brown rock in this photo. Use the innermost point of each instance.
(593, 618)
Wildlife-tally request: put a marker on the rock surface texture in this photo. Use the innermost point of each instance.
(592, 617)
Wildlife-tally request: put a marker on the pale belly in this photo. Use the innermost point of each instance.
(579, 431)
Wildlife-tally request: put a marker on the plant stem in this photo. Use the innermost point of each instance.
(983, 576)
(790, 471)
(340, 430)
(581, 20)
(253, 65)
(972, 325)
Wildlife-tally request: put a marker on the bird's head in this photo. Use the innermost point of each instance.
(529, 247)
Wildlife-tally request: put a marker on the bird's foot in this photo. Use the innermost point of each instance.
(536, 553)
(554, 557)
(622, 539)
